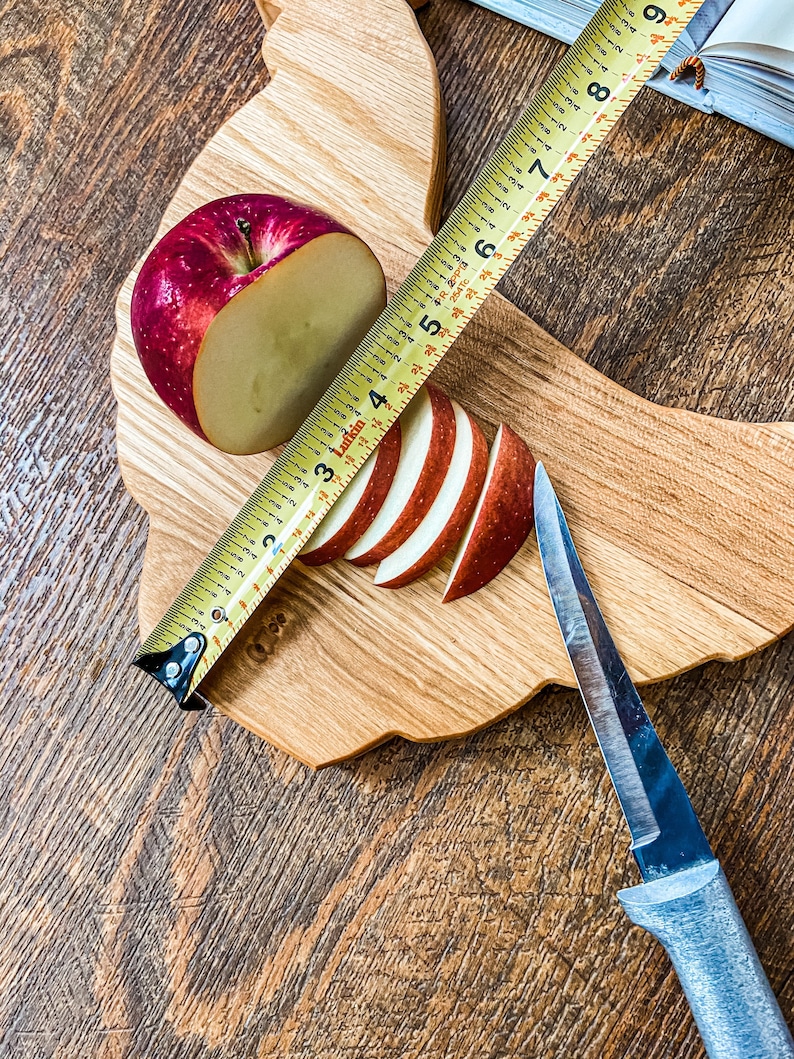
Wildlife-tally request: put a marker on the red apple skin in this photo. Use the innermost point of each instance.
(459, 518)
(504, 522)
(195, 269)
(363, 515)
(439, 455)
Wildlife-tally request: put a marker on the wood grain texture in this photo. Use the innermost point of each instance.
(670, 508)
(177, 888)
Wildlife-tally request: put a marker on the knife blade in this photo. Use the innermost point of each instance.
(684, 900)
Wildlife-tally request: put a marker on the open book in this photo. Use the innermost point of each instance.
(746, 47)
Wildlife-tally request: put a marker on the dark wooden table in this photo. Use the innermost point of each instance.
(173, 887)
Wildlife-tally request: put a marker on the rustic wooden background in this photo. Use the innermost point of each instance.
(173, 887)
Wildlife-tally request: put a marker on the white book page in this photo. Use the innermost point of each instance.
(757, 31)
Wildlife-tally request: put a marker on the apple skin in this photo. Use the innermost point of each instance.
(451, 532)
(195, 269)
(502, 521)
(363, 514)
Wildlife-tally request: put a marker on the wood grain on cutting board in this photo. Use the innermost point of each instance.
(684, 522)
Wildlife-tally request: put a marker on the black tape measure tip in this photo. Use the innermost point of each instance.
(174, 668)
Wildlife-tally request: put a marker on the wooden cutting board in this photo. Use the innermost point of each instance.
(685, 523)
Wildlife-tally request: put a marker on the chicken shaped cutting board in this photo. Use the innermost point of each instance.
(672, 501)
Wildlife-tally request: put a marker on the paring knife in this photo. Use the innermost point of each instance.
(684, 899)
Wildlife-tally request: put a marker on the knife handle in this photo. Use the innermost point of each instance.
(694, 915)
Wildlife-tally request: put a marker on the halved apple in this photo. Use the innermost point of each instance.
(446, 520)
(356, 508)
(502, 520)
(428, 439)
(246, 310)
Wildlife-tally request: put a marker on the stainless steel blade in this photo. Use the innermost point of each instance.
(666, 834)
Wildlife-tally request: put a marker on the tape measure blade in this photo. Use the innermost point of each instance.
(528, 173)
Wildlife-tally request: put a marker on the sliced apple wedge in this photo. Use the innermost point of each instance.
(502, 520)
(356, 508)
(428, 438)
(446, 520)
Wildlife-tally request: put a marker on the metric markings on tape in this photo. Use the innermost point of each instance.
(532, 168)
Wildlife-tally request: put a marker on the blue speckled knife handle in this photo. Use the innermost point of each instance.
(695, 917)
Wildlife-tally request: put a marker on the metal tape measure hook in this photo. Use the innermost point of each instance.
(174, 668)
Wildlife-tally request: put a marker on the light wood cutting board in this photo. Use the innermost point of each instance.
(685, 523)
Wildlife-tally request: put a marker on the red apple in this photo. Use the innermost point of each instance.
(446, 520)
(245, 312)
(356, 508)
(502, 520)
(428, 438)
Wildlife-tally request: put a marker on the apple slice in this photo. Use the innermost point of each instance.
(428, 438)
(356, 508)
(446, 520)
(502, 520)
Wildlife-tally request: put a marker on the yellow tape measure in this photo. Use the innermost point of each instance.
(571, 114)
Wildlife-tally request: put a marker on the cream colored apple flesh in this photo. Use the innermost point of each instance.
(275, 347)
(442, 526)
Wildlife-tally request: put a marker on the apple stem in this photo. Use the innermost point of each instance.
(245, 228)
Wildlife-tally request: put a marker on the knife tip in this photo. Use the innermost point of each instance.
(543, 490)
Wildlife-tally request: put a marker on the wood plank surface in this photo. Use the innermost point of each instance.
(174, 887)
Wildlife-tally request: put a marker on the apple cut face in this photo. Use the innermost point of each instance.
(428, 440)
(502, 520)
(446, 520)
(355, 510)
(274, 348)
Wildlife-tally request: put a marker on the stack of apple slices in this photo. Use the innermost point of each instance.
(430, 484)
